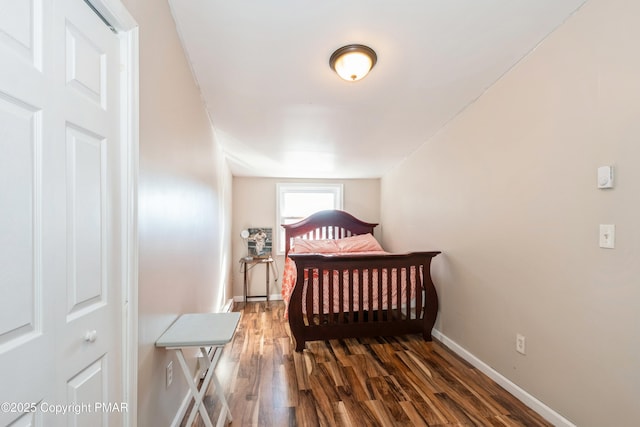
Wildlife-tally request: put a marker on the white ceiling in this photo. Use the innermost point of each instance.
(278, 110)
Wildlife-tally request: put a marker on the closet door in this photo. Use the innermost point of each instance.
(61, 284)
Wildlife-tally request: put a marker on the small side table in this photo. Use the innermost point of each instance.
(247, 264)
(202, 330)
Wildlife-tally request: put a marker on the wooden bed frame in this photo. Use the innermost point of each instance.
(402, 316)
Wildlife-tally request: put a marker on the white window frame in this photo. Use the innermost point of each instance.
(289, 187)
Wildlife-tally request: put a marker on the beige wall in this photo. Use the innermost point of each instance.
(184, 208)
(254, 205)
(508, 192)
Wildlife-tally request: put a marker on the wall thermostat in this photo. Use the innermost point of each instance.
(605, 177)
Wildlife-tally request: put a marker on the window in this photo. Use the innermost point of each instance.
(298, 201)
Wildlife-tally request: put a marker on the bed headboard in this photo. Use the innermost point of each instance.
(330, 224)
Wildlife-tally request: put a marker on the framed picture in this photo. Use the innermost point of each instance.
(260, 242)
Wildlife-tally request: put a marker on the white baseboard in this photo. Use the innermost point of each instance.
(272, 297)
(546, 412)
(228, 306)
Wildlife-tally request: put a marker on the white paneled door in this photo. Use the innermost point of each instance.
(60, 216)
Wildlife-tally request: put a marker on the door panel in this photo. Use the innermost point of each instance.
(86, 389)
(29, 419)
(90, 328)
(21, 29)
(86, 207)
(20, 287)
(86, 65)
(26, 326)
(60, 198)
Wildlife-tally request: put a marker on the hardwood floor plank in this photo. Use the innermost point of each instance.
(356, 412)
(336, 372)
(341, 415)
(416, 419)
(457, 390)
(306, 415)
(418, 377)
(458, 410)
(430, 411)
(324, 395)
(518, 412)
(292, 381)
(386, 381)
(300, 367)
(380, 411)
(355, 385)
(386, 392)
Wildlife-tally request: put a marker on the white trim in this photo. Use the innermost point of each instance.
(130, 357)
(272, 297)
(116, 14)
(543, 410)
(228, 307)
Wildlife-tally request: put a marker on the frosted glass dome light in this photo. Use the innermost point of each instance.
(353, 62)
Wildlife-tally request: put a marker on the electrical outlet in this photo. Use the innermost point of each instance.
(169, 373)
(520, 341)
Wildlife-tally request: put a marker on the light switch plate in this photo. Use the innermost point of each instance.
(605, 177)
(608, 236)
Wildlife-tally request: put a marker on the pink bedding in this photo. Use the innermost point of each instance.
(356, 245)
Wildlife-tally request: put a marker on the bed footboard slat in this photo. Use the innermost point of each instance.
(361, 285)
(380, 291)
(331, 298)
(351, 293)
(370, 284)
(321, 289)
(398, 294)
(409, 302)
(309, 297)
(363, 295)
(341, 290)
(418, 291)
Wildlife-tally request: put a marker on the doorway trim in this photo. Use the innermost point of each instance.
(118, 18)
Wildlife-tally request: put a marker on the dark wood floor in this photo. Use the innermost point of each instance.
(402, 381)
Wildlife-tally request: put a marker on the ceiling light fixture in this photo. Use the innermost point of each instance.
(353, 62)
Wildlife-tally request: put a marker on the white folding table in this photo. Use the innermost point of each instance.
(201, 330)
